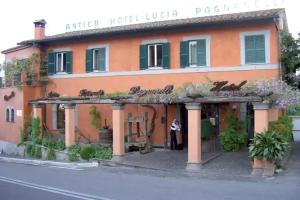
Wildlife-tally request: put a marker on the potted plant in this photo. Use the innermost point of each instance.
(270, 148)
(105, 132)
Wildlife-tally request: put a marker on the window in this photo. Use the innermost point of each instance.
(61, 62)
(155, 55)
(194, 53)
(255, 47)
(96, 60)
(12, 115)
(7, 115)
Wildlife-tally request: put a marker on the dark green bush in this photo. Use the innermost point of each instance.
(103, 153)
(207, 129)
(33, 150)
(51, 154)
(35, 129)
(56, 144)
(283, 126)
(23, 137)
(231, 140)
(37, 152)
(87, 153)
(234, 135)
(73, 152)
(29, 149)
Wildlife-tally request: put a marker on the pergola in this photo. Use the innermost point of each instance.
(263, 113)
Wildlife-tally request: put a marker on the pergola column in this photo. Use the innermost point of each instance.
(37, 112)
(69, 124)
(194, 137)
(118, 131)
(261, 124)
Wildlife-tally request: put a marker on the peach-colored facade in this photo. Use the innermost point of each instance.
(124, 72)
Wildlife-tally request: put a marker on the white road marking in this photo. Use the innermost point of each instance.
(53, 189)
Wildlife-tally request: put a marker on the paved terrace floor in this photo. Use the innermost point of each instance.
(231, 164)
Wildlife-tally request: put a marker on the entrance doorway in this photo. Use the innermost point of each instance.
(209, 119)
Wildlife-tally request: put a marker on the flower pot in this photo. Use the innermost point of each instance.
(105, 136)
(269, 168)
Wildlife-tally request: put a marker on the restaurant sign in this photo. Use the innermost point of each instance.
(139, 92)
(223, 86)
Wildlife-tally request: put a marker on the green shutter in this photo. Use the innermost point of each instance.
(89, 60)
(201, 52)
(143, 57)
(184, 54)
(69, 62)
(255, 49)
(51, 63)
(102, 59)
(166, 55)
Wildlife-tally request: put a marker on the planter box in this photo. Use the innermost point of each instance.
(269, 168)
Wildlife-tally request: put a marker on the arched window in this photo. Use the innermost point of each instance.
(12, 115)
(7, 114)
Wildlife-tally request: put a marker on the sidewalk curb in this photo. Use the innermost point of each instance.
(111, 163)
(48, 163)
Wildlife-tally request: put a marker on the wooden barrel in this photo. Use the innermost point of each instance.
(105, 136)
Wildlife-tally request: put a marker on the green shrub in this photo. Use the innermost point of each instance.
(87, 153)
(29, 149)
(23, 137)
(234, 135)
(231, 140)
(207, 129)
(33, 151)
(51, 154)
(103, 153)
(268, 146)
(59, 145)
(35, 129)
(56, 144)
(283, 126)
(73, 152)
(37, 152)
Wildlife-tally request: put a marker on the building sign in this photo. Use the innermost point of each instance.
(88, 93)
(138, 91)
(202, 10)
(53, 95)
(8, 97)
(19, 113)
(223, 86)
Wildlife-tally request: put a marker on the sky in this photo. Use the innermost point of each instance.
(17, 16)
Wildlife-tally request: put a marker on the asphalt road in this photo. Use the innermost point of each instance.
(11, 191)
(24, 182)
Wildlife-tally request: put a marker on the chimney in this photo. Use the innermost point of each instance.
(39, 29)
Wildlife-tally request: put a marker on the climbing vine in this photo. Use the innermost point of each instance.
(19, 72)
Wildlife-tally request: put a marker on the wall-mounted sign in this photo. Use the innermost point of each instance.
(207, 8)
(53, 95)
(225, 87)
(8, 97)
(19, 113)
(138, 91)
(88, 93)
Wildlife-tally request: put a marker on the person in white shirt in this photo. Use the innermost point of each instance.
(174, 128)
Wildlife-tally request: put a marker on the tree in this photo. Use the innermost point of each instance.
(290, 57)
